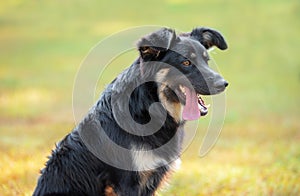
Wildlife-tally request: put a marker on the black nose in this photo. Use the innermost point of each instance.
(226, 84)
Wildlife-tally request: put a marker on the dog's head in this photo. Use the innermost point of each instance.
(182, 70)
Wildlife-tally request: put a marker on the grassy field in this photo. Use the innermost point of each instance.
(42, 44)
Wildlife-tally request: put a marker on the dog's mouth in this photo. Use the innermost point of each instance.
(194, 106)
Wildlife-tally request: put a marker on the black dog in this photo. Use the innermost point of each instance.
(131, 139)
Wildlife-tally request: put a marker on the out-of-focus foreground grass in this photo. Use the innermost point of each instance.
(42, 44)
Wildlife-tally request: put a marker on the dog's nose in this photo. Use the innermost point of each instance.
(226, 83)
(221, 84)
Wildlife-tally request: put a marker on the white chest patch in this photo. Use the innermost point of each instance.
(146, 160)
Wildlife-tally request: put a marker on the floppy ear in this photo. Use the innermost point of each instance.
(155, 44)
(209, 37)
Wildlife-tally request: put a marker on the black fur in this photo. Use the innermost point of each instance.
(74, 169)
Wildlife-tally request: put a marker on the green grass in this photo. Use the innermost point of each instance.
(42, 44)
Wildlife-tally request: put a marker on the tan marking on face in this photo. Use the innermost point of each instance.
(193, 55)
(161, 75)
(173, 108)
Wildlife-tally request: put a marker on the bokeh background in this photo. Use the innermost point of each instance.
(42, 44)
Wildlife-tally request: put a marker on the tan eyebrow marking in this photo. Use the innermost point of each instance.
(193, 55)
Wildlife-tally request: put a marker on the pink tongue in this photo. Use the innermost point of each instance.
(191, 110)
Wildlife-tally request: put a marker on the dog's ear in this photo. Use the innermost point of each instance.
(208, 38)
(154, 45)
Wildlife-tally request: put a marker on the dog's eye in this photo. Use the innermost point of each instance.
(186, 63)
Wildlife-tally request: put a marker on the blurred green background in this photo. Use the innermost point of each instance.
(42, 44)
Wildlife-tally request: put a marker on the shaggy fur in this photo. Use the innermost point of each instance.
(76, 166)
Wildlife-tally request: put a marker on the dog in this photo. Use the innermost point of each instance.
(130, 140)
